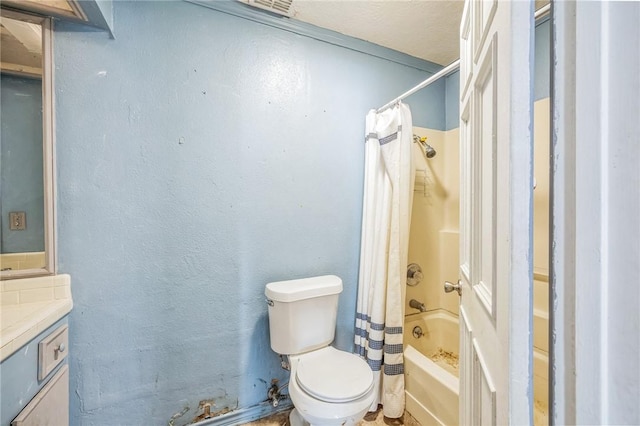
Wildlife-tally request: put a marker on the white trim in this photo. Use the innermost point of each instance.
(48, 157)
(50, 147)
(562, 280)
(520, 173)
(595, 206)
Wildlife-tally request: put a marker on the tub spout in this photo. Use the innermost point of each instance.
(417, 305)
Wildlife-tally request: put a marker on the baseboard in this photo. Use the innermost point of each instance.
(246, 415)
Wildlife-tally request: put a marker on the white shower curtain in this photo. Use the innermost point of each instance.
(386, 216)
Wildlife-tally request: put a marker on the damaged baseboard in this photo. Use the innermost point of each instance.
(246, 415)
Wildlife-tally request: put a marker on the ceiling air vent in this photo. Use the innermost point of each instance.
(280, 7)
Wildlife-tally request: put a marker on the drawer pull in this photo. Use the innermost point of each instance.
(52, 350)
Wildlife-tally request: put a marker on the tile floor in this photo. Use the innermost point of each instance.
(373, 419)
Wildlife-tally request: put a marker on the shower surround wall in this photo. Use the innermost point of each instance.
(435, 221)
(200, 156)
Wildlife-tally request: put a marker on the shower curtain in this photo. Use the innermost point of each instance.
(386, 216)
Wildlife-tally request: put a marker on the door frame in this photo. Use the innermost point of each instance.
(595, 205)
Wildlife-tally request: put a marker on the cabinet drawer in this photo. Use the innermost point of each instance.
(52, 350)
(50, 407)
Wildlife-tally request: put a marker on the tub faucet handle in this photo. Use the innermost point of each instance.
(413, 303)
(414, 274)
(449, 287)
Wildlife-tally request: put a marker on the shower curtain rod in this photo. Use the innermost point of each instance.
(437, 76)
(454, 66)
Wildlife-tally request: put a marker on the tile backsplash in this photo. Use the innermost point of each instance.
(37, 289)
(22, 260)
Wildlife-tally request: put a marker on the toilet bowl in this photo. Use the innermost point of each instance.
(327, 386)
(330, 387)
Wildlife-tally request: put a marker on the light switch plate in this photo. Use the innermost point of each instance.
(17, 221)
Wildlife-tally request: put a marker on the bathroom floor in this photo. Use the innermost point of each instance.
(375, 418)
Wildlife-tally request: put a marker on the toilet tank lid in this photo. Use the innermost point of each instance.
(304, 288)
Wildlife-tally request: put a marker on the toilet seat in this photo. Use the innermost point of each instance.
(332, 375)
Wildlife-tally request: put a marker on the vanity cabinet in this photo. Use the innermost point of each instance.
(34, 381)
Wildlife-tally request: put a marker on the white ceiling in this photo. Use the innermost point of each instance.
(426, 29)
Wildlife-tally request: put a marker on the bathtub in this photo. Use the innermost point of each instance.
(431, 385)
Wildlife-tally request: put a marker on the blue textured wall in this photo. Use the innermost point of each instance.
(452, 101)
(199, 157)
(21, 157)
(106, 9)
(541, 76)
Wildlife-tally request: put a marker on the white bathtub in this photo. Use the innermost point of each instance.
(431, 388)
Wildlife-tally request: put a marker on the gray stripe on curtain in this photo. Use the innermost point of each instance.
(393, 369)
(393, 349)
(376, 344)
(375, 364)
(367, 318)
(371, 136)
(386, 139)
(392, 137)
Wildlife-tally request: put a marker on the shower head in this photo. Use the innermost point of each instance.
(429, 151)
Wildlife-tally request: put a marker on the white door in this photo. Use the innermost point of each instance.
(495, 213)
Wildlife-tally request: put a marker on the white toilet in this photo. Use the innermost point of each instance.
(327, 386)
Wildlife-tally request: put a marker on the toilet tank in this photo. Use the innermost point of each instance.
(302, 313)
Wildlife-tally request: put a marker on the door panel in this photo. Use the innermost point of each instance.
(484, 194)
(484, 407)
(465, 358)
(465, 191)
(466, 50)
(495, 213)
(484, 12)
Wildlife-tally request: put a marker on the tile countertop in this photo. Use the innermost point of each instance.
(29, 306)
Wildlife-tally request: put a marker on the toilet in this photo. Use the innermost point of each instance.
(327, 386)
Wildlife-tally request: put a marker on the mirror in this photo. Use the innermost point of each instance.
(26, 146)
